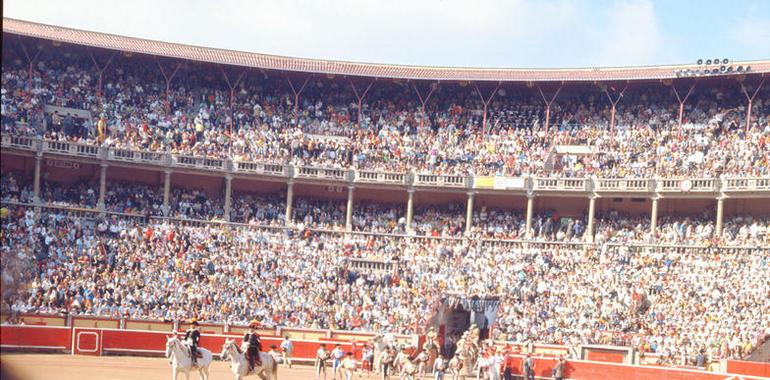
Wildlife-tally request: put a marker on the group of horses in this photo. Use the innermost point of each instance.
(181, 361)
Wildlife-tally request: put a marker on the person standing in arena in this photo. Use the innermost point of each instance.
(349, 365)
(321, 356)
(386, 361)
(558, 370)
(368, 358)
(440, 366)
(254, 345)
(287, 347)
(337, 355)
(529, 368)
(192, 337)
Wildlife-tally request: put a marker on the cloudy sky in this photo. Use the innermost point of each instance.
(480, 33)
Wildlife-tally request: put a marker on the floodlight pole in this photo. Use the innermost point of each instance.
(751, 100)
(424, 100)
(548, 104)
(614, 106)
(232, 87)
(101, 70)
(486, 102)
(168, 79)
(360, 97)
(30, 63)
(682, 101)
(296, 97)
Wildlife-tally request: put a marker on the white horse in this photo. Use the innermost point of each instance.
(240, 365)
(181, 361)
(380, 342)
(489, 368)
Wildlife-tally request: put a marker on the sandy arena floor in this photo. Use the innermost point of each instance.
(68, 367)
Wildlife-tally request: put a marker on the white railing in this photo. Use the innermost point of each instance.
(685, 185)
(372, 176)
(437, 180)
(18, 142)
(746, 184)
(128, 155)
(321, 173)
(561, 184)
(622, 185)
(369, 265)
(199, 162)
(261, 168)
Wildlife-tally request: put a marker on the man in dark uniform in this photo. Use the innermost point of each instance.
(254, 345)
(192, 337)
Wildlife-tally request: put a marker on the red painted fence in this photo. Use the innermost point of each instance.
(99, 341)
(748, 368)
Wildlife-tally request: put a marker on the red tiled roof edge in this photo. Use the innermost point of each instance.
(273, 62)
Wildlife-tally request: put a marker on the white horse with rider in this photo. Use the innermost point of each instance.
(239, 364)
(181, 361)
(380, 342)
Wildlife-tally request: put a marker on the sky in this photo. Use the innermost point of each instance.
(461, 33)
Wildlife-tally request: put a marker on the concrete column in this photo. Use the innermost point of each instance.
(409, 210)
(469, 213)
(167, 193)
(36, 186)
(102, 187)
(228, 195)
(591, 211)
(289, 200)
(720, 216)
(530, 207)
(349, 210)
(654, 217)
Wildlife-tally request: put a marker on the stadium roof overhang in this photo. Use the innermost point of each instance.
(330, 67)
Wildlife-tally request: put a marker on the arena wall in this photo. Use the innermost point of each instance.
(101, 341)
(747, 368)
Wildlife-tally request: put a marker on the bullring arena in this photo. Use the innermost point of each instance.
(67, 367)
(476, 223)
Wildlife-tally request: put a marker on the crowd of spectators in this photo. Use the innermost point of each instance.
(666, 301)
(194, 116)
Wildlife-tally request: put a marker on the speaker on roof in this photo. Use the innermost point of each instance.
(700, 61)
(708, 62)
(716, 61)
(725, 61)
(747, 68)
(729, 69)
(739, 69)
(715, 71)
(723, 68)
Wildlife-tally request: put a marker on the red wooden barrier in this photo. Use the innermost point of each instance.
(36, 337)
(748, 368)
(97, 341)
(606, 356)
(87, 341)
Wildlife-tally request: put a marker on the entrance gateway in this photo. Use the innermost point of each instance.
(456, 314)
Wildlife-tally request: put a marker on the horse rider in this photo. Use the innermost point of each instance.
(254, 345)
(192, 336)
